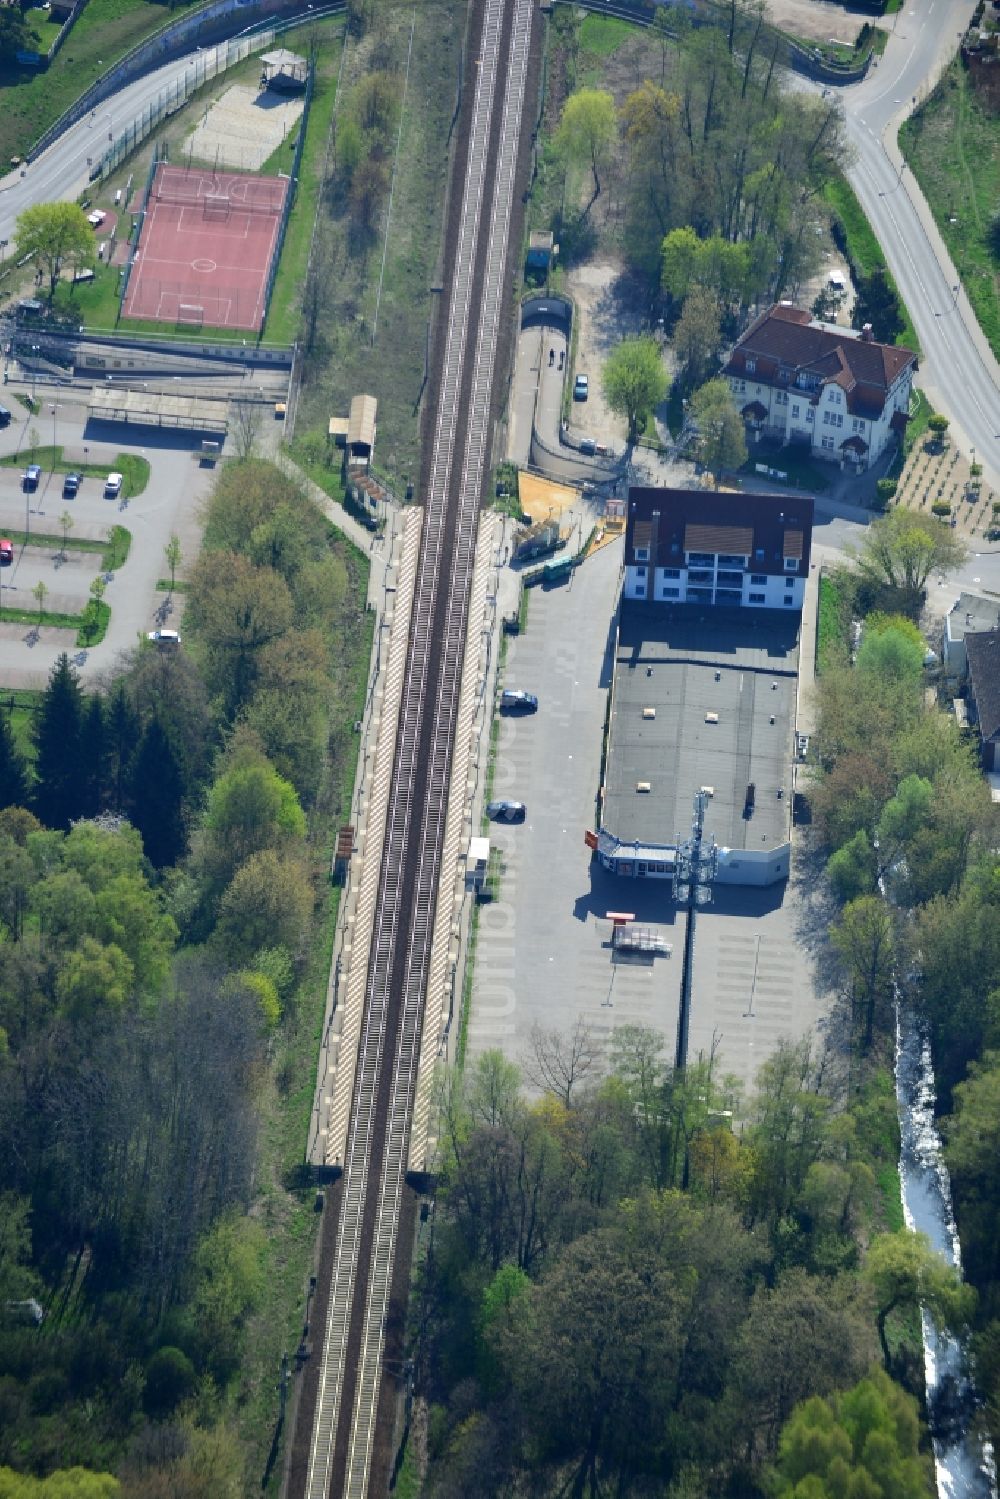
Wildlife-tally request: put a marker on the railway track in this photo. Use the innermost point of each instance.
(347, 1394)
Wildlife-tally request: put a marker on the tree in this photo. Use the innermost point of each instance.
(863, 940)
(55, 234)
(972, 1143)
(66, 524)
(369, 186)
(245, 428)
(93, 757)
(236, 609)
(901, 550)
(558, 1062)
(699, 328)
(905, 1272)
(587, 131)
(807, 1336)
(721, 441)
(170, 1378)
(267, 903)
(864, 1442)
(635, 381)
(122, 730)
(172, 552)
(40, 593)
(157, 796)
(93, 976)
(679, 261)
(57, 733)
(13, 770)
(938, 426)
(851, 870)
(878, 304)
(250, 808)
(13, 32)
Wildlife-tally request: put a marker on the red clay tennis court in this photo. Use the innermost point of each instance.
(205, 249)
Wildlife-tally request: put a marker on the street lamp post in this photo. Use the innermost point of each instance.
(696, 866)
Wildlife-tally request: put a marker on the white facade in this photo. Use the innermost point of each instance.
(711, 578)
(813, 413)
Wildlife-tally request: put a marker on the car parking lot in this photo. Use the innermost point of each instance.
(169, 504)
(543, 953)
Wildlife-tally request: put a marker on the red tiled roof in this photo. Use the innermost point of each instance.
(703, 520)
(785, 342)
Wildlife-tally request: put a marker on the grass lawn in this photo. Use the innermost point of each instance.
(114, 551)
(133, 468)
(286, 302)
(91, 626)
(953, 145)
(343, 359)
(94, 303)
(802, 472)
(863, 248)
(833, 625)
(601, 36)
(20, 705)
(106, 29)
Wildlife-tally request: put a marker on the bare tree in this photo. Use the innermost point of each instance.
(560, 1060)
(245, 427)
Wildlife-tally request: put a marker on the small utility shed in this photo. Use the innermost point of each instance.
(361, 429)
(983, 652)
(282, 69)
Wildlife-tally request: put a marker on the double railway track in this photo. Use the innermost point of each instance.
(345, 1410)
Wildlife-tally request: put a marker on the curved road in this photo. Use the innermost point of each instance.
(62, 171)
(960, 373)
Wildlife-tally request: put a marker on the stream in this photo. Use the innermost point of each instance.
(964, 1463)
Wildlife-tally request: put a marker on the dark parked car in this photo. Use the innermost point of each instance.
(506, 811)
(71, 486)
(512, 701)
(4, 417)
(32, 474)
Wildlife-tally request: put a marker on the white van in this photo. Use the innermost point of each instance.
(112, 486)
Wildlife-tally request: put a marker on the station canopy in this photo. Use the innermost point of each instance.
(147, 408)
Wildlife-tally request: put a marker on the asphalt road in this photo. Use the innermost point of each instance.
(960, 374)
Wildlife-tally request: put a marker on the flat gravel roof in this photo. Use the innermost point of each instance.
(675, 666)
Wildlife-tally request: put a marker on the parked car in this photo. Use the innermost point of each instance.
(112, 486)
(581, 387)
(71, 486)
(164, 637)
(32, 474)
(506, 811)
(513, 701)
(4, 417)
(6, 551)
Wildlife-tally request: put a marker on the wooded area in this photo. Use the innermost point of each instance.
(626, 1293)
(158, 973)
(902, 797)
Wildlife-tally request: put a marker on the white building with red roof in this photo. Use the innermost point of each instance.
(804, 383)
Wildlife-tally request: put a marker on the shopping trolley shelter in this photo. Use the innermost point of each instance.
(205, 248)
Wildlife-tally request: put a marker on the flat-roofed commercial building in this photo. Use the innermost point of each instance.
(705, 682)
(694, 546)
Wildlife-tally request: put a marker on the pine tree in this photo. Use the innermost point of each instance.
(13, 772)
(121, 735)
(57, 742)
(157, 789)
(93, 757)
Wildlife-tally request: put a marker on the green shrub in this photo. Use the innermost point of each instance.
(941, 507)
(170, 1379)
